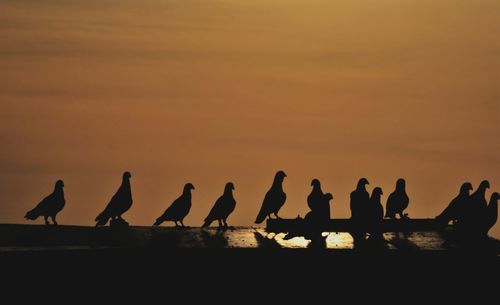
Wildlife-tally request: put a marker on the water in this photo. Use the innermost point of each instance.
(248, 237)
(39, 238)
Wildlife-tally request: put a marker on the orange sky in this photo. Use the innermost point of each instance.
(232, 90)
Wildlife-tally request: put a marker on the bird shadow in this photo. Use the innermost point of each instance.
(217, 240)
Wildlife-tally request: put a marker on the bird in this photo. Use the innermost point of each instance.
(273, 201)
(222, 208)
(376, 212)
(119, 203)
(376, 208)
(316, 197)
(454, 211)
(470, 224)
(473, 218)
(50, 205)
(478, 197)
(179, 209)
(398, 201)
(491, 215)
(359, 200)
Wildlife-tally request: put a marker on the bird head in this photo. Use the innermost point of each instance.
(495, 196)
(377, 191)
(362, 182)
(126, 175)
(466, 188)
(59, 184)
(280, 175)
(188, 187)
(315, 183)
(229, 186)
(400, 184)
(485, 184)
(328, 196)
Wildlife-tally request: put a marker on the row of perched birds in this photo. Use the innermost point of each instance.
(469, 211)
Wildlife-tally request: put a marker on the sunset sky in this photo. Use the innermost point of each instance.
(211, 91)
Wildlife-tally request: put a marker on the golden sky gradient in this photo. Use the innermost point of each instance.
(213, 91)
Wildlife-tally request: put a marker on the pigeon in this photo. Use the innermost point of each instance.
(376, 212)
(376, 208)
(398, 201)
(470, 223)
(222, 208)
(359, 200)
(474, 213)
(491, 215)
(316, 197)
(119, 204)
(273, 201)
(455, 210)
(50, 205)
(178, 209)
(478, 199)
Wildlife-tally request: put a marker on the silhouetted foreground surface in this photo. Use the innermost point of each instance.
(116, 262)
(26, 238)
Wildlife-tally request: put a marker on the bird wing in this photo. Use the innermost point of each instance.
(217, 209)
(114, 203)
(391, 204)
(174, 209)
(46, 203)
(41, 208)
(267, 206)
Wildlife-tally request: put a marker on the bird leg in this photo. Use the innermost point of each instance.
(225, 223)
(54, 220)
(220, 223)
(46, 220)
(182, 223)
(269, 216)
(176, 224)
(276, 214)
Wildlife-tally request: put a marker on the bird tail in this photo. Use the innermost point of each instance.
(261, 217)
(207, 223)
(158, 221)
(32, 215)
(101, 219)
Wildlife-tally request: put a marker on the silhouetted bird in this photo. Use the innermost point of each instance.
(455, 210)
(474, 215)
(398, 201)
(178, 209)
(119, 203)
(376, 214)
(479, 196)
(376, 208)
(316, 197)
(275, 198)
(491, 215)
(222, 208)
(50, 205)
(359, 200)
